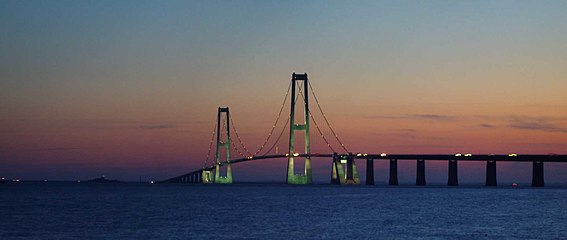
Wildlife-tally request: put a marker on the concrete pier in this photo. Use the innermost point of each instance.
(393, 172)
(453, 179)
(491, 173)
(344, 170)
(420, 176)
(537, 174)
(369, 171)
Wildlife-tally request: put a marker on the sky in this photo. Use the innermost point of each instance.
(130, 89)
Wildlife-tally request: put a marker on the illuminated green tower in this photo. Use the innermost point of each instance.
(223, 144)
(306, 177)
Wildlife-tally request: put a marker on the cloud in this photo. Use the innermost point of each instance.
(407, 130)
(158, 126)
(486, 125)
(382, 117)
(435, 117)
(536, 124)
(56, 149)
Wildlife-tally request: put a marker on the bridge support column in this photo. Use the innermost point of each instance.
(420, 176)
(491, 173)
(337, 172)
(537, 174)
(223, 144)
(453, 179)
(351, 172)
(344, 170)
(307, 176)
(369, 171)
(393, 172)
(206, 177)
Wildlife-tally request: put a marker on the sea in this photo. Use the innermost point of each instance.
(70, 210)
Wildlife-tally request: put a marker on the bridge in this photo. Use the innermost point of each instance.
(343, 170)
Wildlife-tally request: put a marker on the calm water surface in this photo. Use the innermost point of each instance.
(276, 211)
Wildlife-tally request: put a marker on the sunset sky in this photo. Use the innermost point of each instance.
(130, 89)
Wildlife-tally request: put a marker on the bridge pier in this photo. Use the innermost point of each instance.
(223, 179)
(206, 177)
(337, 173)
(420, 176)
(453, 179)
(537, 174)
(344, 170)
(491, 173)
(393, 172)
(369, 171)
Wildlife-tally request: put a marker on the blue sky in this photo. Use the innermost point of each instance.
(97, 77)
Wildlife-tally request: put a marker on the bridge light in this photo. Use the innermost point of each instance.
(296, 154)
(468, 154)
(458, 154)
(359, 154)
(287, 154)
(366, 154)
(382, 154)
(512, 155)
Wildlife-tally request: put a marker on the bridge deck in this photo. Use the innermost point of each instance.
(432, 157)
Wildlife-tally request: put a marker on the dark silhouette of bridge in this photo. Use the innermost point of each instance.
(344, 169)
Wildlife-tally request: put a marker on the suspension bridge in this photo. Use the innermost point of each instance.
(343, 170)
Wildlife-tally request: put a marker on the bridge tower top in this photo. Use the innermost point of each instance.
(299, 76)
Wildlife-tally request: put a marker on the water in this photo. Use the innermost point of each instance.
(276, 211)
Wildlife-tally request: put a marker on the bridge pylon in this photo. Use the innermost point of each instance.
(207, 176)
(222, 144)
(306, 177)
(344, 170)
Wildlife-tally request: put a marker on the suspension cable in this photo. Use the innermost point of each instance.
(279, 136)
(276, 123)
(319, 129)
(210, 147)
(237, 150)
(238, 137)
(317, 126)
(271, 130)
(321, 133)
(325, 117)
(285, 125)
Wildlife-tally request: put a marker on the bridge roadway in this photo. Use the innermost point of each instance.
(442, 157)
